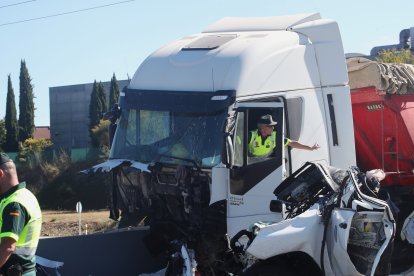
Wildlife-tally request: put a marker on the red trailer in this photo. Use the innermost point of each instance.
(383, 113)
(384, 133)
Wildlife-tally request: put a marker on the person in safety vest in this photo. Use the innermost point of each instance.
(262, 141)
(20, 224)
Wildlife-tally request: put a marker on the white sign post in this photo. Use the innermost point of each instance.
(79, 211)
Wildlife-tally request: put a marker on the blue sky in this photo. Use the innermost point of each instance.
(92, 45)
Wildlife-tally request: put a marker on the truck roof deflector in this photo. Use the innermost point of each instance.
(250, 24)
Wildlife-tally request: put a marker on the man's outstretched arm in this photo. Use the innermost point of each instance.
(298, 145)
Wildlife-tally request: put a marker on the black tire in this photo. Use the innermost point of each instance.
(268, 269)
(402, 257)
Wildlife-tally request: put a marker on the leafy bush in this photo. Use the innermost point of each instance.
(100, 133)
(100, 138)
(58, 184)
(32, 151)
(61, 163)
(71, 186)
(396, 56)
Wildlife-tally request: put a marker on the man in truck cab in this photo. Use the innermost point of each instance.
(262, 141)
(20, 223)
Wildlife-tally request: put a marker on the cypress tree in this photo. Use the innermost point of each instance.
(102, 98)
(94, 107)
(26, 104)
(2, 133)
(113, 92)
(97, 107)
(11, 144)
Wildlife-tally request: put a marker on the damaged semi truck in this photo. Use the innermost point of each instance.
(179, 157)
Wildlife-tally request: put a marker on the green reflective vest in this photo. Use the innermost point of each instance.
(28, 239)
(259, 148)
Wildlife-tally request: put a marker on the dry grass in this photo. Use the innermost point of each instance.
(65, 223)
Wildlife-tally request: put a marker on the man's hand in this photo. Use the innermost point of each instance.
(315, 146)
(7, 247)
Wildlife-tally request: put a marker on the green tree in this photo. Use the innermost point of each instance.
(102, 97)
(11, 144)
(100, 142)
(100, 131)
(95, 111)
(26, 104)
(31, 151)
(2, 132)
(396, 56)
(101, 137)
(113, 92)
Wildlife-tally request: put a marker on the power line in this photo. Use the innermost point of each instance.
(65, 13)
(15, 4)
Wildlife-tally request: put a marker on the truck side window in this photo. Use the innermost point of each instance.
(333, 119)
(238, 140)
(131, 132)
(254, 137)
(249, 170)
(295, 109)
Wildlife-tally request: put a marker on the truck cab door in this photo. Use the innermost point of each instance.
(253, 179)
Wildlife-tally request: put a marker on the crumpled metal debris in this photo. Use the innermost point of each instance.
(111, 164)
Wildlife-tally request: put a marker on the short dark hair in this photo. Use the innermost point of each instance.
(4, 158)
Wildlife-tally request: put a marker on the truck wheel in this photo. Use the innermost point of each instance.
(268, 269)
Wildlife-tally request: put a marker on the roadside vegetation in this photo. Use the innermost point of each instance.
(396, 56)
(49, 172)
(66, 223)
(59, 183)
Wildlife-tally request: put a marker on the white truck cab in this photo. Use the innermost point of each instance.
(179, 155)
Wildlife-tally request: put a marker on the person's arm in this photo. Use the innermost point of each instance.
(7, 247)
(298, 145)
(14, 218)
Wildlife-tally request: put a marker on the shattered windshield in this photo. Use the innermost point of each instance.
(172, 137)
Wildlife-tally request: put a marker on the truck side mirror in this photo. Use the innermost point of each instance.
(112, 115)
(280, 206)
(276, 206)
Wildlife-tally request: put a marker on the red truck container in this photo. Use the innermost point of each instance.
(383, 111)
(384, 133)
(382, 98)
